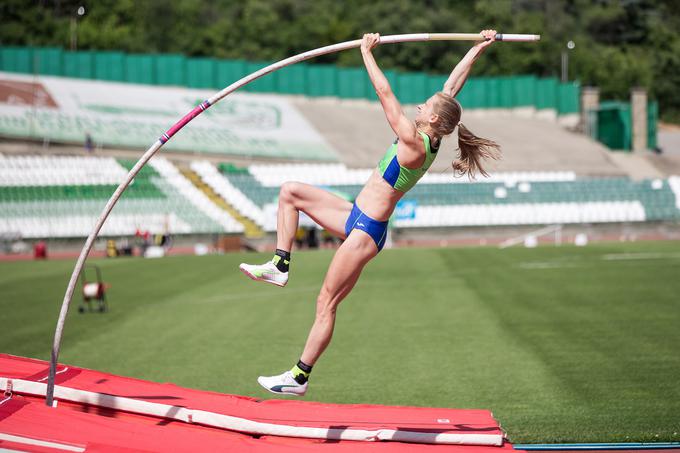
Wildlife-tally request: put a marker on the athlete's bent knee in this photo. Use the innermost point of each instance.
(288, 192)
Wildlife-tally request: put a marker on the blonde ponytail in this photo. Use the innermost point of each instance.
(473, 150)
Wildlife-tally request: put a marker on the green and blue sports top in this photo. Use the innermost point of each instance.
(402, 178)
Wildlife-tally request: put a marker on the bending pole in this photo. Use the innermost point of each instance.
(56, 345)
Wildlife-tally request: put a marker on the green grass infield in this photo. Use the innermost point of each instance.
(562, 344)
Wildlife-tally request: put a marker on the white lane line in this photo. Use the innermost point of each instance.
(640, 256)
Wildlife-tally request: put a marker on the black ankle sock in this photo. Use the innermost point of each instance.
(304, 367)
(282, 260)
(301, 372)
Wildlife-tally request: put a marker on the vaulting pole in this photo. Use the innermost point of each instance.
(56, 345)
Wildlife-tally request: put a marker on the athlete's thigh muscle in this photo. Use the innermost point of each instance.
(347, 264)
(325, 208)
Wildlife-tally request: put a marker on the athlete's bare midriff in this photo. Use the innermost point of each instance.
(377, 199)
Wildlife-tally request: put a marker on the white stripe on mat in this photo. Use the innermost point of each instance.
(244, 425)
(38, 443)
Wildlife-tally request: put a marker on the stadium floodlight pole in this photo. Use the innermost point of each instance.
(390, 39)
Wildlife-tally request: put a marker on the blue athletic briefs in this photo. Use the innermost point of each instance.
(360, 221)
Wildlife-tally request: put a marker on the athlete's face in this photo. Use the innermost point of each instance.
(425, 112)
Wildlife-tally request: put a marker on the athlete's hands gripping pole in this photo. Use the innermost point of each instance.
(400, 124)
(460, 73)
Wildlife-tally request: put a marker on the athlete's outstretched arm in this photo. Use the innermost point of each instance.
(460, 73)
(400, 124)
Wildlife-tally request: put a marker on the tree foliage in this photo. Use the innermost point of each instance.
(619, 43)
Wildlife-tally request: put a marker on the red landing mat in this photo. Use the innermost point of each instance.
(91, 426)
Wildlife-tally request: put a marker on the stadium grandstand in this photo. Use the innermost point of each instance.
(69, 142)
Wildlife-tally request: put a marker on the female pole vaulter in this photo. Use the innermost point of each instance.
(363, 225)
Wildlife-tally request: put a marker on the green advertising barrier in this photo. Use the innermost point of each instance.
(79, 65)
(498, 92)
(109, 66)
(321, 80)
(229, 71)
(546, 93)
(524, 91)
(412, 88)
(495, 92)
(170, 69)
(568, 98)
(140, 68)
(308, 79)
(292, 79)
(17, 59)
(436, 83)
(352, 83)
(265, 84)
(473, 96)
(48, 61)
(201, 73)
